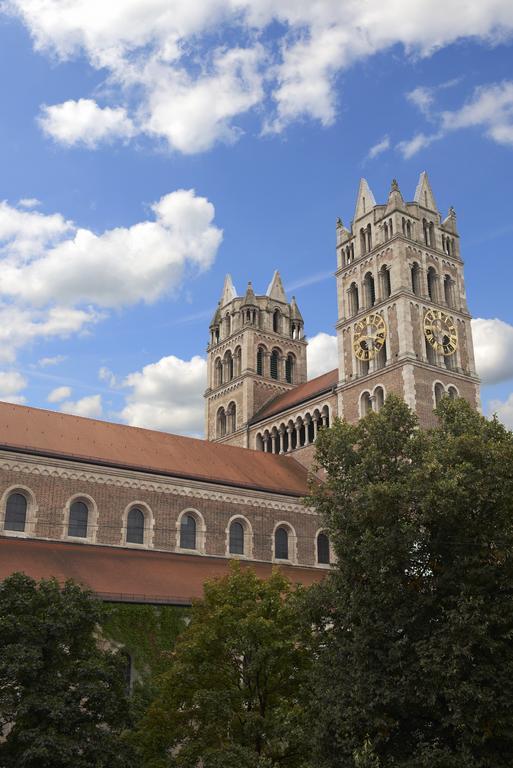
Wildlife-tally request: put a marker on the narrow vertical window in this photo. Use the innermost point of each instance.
(236, 538)
(188, 532)
(260, 361)
(289, 369)
(78, 520)
(323, 549)
(135, 527)
(15, 513)
(274, 364)
(281, 544)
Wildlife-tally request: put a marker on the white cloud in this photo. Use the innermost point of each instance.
(29, 202)
(490, 108)
(493, 347)
(84, 122)
(11, 382)
(57, 279)
(410, 147)
(378, 148)
(45, 362)
(90, 406)
(503, 409)
(167, 395)
(169, 61)
(104, 374)
(58, 394)
(321, 354)
(124, 265)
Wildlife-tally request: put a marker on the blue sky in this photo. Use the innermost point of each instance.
(154, 149)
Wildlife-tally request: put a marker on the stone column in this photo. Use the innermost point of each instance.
(289, 433)
(298, 433)
(266, 443)
(281, 433)
(273, 442)
(308, 420)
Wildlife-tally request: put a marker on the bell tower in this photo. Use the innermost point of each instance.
(256, 351)
(403, 321)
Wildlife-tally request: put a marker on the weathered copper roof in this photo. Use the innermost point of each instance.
(48, 433)
(300, 394)
(127, 575)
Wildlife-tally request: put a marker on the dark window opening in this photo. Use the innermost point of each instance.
(78, 519)
(281, 544)
(236, 538)
(15, 513)
(135, 527)
(188, 532)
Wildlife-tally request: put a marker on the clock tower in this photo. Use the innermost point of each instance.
(403, 321)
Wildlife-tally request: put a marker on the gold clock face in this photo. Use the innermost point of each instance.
(440, 331)
(369, 336)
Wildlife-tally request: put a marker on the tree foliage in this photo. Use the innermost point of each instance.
(232, 696)
(415, 626)
(63, 699)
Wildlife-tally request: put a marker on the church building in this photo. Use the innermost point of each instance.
(144, 516)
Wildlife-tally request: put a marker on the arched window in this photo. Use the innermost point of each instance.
(275, 356)
(323, 549)
(431, 234)
(188, 532)
(379, 398)
(289, 369)
(237, 362)
(390, 227)
(78, 519)
(281, 544)
(408, 229)
(449, 291)
(135, 526)
(228, 365)
(369, 237)
(276, 321)
(363, 242)
(439, 392)
(228, 321)
(221, 422)
(385, 282)
(354, 304)
(431, 281)
(425, 228)
(365, 403)
(218, 372)
(260, 361)
(452, 392)
(415, 278)
(236, 538)
(370, 292)
(231, 418)
(385, 230)
(15, 513)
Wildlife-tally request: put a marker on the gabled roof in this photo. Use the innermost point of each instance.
(300, 394)
(47, 433)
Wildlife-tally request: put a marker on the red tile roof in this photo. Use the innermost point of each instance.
(127, 575)
(48, 433)
(300, 394)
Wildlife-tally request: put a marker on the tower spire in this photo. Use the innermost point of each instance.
(365, 200)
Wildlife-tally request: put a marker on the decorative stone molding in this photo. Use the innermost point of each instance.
(145, 481)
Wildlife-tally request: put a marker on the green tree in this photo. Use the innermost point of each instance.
(415, 657)
(232, 696)
(63, 700)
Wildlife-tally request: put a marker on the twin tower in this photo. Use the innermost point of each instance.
(403, 326)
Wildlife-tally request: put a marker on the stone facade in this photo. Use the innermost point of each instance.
(50, 487)
(397, 262)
